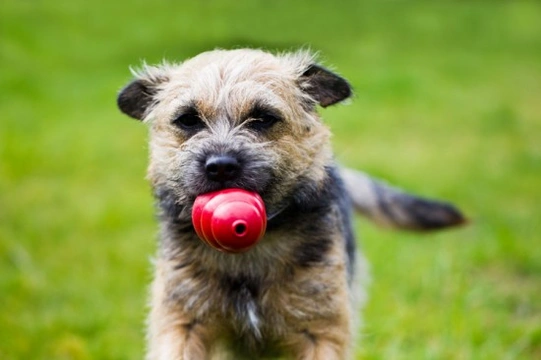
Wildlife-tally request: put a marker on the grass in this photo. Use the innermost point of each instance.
(447, 105)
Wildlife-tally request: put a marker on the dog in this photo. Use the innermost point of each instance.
(249, 119)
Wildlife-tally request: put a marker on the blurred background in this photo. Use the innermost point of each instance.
(447, 104)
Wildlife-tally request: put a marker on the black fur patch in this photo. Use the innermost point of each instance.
(169, 210)
(311, 215)
(177, 230)
(241, 287)
(345, 206)
(241, 294)
(312, 252)
(432, 215)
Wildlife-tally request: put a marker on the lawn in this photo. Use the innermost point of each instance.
(447, 104)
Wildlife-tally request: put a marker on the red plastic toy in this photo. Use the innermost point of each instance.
(230, 220)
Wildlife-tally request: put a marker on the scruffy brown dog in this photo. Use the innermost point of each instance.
(247, 119)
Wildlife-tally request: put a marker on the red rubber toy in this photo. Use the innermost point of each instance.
(230, 220)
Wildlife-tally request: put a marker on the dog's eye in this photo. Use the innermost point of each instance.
(189, 122)
(263, 121)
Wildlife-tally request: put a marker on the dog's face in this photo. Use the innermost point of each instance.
(243, 118)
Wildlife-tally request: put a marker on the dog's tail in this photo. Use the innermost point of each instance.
(391, 207)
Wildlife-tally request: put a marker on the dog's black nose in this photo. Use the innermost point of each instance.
(222, 168)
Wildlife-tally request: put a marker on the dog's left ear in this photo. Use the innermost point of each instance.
(324, 86)
(135, 99)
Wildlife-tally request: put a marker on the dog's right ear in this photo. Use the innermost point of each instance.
(138, 97)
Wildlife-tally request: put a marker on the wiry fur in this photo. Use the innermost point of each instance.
(392, 207)
(291, 295)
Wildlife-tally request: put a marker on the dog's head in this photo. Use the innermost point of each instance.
(240, 118)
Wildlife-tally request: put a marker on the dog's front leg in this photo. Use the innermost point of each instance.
(173, 335)
(180, 342)
(331, 346)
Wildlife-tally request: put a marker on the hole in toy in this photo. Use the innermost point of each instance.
(240, 228)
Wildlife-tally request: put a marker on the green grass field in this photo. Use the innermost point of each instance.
(447, 104)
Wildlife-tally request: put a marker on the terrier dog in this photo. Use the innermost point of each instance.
(248, 119)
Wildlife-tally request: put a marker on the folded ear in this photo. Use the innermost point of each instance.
(324, 86)
(136, 98)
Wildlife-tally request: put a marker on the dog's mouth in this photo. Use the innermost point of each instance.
(253, 180)
(231, 220)
(273, 210)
